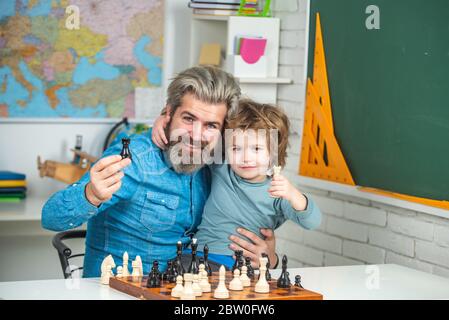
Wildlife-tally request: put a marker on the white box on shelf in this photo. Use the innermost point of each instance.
(239, 68)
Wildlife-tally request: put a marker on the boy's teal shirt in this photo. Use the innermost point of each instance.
(154, 208)
(235, 202)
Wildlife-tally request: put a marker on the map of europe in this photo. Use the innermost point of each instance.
(91, 71)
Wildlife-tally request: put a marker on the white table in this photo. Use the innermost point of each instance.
(344, 282)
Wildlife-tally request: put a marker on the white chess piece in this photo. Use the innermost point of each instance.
(236, 283)
(105, 276)
(135, 273)
(139, 265)
(187, 293)
(262, 285)
(125, 272)
(178, 289)
(221, 292)
(246, 281)
(204, 280)
(119, 272)
(109, 260)
(196, 286)
(276, 170)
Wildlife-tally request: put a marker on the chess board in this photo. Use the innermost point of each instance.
(139, 290)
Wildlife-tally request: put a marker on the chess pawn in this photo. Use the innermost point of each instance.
(221, 292)
(188, 293)
(105, 276)
(246, 282)
(236, 283)
(196, 286)
(125, 272)
(204, 281)
(178, 289)
(119, 272)
(262, 285)
(298, 281)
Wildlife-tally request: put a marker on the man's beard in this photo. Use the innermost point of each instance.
(183, 161)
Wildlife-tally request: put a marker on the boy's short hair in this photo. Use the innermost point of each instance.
(253, 115)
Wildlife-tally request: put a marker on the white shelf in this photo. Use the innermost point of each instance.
(265, 80)
(210, 17)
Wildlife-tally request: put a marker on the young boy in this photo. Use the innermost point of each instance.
(244, 192)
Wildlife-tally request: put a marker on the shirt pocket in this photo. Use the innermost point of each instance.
(159, 211)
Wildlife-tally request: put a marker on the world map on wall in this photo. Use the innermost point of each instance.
(51, 67)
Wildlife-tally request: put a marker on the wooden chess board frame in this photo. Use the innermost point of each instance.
(139, 290)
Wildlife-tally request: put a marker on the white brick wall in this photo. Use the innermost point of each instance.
(353, 230)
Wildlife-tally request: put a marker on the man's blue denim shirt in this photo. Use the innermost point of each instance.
(153, 210)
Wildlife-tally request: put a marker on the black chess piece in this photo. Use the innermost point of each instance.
(250, 271)
(298, 281)
(178, 262)
(284, 281)
(268, 275)
(168, 272)
(207, 266)
(194, 268)
(126, 153)
(154, 278)
(238, 257)
(241, 261)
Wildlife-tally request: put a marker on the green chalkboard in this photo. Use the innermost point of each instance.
(389, 91)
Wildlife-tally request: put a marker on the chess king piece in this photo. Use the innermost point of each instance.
(193, 268)
(298, 281)
(126, 153)
(246, 282)
(204, 281)
(284, 280)
(178, 264)
(207, 266)
(187, 293)
(196, 286)
(221, 292)
(178, 289)
(249, 267)
(125, 272)
(236, 283)
(262, 285)
(154, 278)
(268, 275)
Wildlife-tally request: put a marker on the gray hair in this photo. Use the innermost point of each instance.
(208, 84)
